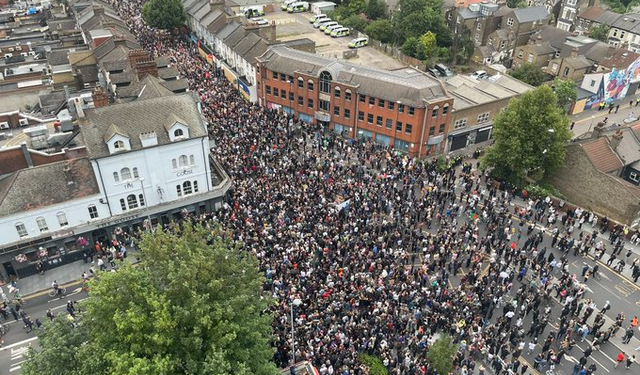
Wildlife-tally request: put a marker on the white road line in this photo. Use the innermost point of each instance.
(20, 343)
(601, 366)
(12, 369)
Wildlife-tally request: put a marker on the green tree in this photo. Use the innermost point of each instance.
(565, 90)
(600, 32)
(194, 306)
(529, 134)
(531, 74)
(516, 4)
(381, 30)
(355, 22)
(422, 48)
(376, 9)
(357, 6)
(375, 365)
(441, 354)
(415, 17)
(164, 14)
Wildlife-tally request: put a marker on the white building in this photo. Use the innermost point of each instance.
(144, 159)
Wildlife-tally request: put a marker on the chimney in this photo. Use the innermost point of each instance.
(615, 140)
(100, 98)
(78, 79)
(144, 67)
(597, 131)
(79, 110)
(137, 54)
(26, 154)
(574, 52)
(539, 39)
(272, 37)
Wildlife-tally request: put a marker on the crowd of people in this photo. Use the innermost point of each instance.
(370, 241)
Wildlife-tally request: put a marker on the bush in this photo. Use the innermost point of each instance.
(374, 364)
(542, 190)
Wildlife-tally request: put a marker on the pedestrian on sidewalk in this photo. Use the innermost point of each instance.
(610, 107)
(630, 361)
(619, 359)
(617, 107)
(627, 335)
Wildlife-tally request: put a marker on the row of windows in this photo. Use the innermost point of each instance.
(187, 188)
(183, 161)
(62, 221)
(461, 123)
(408, 128)
(125, 174)
(390, 105)
(132, 202)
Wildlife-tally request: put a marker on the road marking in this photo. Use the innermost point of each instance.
(19, 343)
(18, 353)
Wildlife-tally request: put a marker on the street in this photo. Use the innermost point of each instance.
(17, 341)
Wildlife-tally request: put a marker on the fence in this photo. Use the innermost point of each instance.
(398, 54)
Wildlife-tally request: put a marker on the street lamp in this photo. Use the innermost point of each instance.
(294, 303)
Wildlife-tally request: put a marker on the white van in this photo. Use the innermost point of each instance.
(286, 4)
(298, 7)
(338, 33)
(317, 24)
(253, 11)
(317, 17)
(329, 29)
(324, 26)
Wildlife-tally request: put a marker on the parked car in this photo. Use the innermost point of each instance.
(434, 72)
(317, 24)
(358, 42)
(479, 74)
(317, 17)
(260, 21)
(444, 71)
(338, 33)
(285, 5)
(324, 26)
(298, 7)
(329, 29)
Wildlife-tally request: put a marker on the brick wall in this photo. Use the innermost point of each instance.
(585, 186)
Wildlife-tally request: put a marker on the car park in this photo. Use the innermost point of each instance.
(358, 42)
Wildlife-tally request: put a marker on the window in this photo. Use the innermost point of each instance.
(445, 109)
(268, 89)
(182, 161)
(479, 27)
(441, 129)
(460, 123)
(408, 128)
(360, 116)
(310, 103)
(411, 111)
(363, 98)
(503, 44)
(634, 177)
(432, 130)
(179, 190)
(178, 133)
(593, 83)
(509, 21)
(42, 224)
(195, 186)
(300, 100)
(621, 34)
(347, 95)
(398, 126)
(391, 105)
(290, 95)
(192, 160)
(369, 118)
(135, 173)
(283, 94)
(186, 187)
(336, 93)
(347, 113)
(123, 205)
(566, 71)
(323, 105)
(118, 145)
(300, 82)
(275, 75)
(116, 177)
(336, 111)
(325, 82)
(310, 85)
(434, 111)
(132, 201)
(174, 163)
(372, 100)
(283, 77)
(62, 219)
(276, 92)
(93, 211)
(22, 230)
(290, 79)
(141, 199)
(400, 108)
(379, 120)
(389, 123)
(125, 173)
(381, 103)
(484, 117)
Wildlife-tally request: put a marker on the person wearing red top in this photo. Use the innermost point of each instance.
(619, 359)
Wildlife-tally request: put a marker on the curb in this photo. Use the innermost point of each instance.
(46, 291)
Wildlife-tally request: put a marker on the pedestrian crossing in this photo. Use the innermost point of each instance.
(18, 357)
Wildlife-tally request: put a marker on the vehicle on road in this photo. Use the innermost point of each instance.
(253, 11)
(298, 7)
(358, 42)
(61, 291)
(338, 33)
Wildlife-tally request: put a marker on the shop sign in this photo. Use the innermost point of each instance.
(116, 221)
(62, 233)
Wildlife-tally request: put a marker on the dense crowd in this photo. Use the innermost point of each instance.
(368, 239)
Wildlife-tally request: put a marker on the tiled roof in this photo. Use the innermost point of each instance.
(620, 59)
(601, 155)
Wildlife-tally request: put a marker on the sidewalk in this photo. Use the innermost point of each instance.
(590, 117)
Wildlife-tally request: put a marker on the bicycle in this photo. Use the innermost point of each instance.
(4, 329)
(17, 297)
(60, 291)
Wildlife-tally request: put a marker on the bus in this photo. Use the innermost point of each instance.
(338, 33)
(298, 7)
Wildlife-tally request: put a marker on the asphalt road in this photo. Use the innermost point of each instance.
(17, 341)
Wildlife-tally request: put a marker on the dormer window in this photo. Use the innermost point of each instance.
(178, 133)
(176, 128)
(118, 145)
(117, 140)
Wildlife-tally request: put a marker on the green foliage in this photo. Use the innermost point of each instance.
(516, 4)
(600, 32)
(530, 74)
(194, 306)
(356, 22)
(415, 17)
(523, 140)
(423, 47)
(543, 190)
(164, 14)
(565, 92)
(441, 354)
(357, 6)
(381, 30)
(375, 365)
(376, 9)
(620, 6)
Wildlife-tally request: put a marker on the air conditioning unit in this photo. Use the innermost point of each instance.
(24, 122)
(4, 125)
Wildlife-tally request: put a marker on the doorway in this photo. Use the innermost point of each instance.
(11, 272)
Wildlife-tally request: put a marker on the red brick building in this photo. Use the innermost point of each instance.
(405, 108)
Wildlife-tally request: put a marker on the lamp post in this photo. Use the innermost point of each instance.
(550, 132)
(294, 303)
(593, 117)
(146, 203)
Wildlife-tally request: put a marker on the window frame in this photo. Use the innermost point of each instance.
(93, 211)
(21, 229)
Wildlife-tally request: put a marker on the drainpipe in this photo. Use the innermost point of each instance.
(424, 124)
(106, 196)
(355, 126)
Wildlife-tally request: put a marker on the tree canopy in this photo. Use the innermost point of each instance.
(600, 32)
(164, 14)
(423, 47)
(529, 134)
(441, 354)
(418, 16)
(565, 90)
(530, 74)
(194, 306)
(381, 30)
(376, 9)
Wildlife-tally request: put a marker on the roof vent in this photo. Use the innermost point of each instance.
(625, 54)
(626, 19)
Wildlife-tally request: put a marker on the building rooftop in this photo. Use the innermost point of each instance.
(408, 85)
(140, 116)
(601, 155)
(469, 92)
(620, 59)
(531, 14)
(65, 180)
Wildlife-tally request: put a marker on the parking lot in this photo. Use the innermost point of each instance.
(297, 25)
